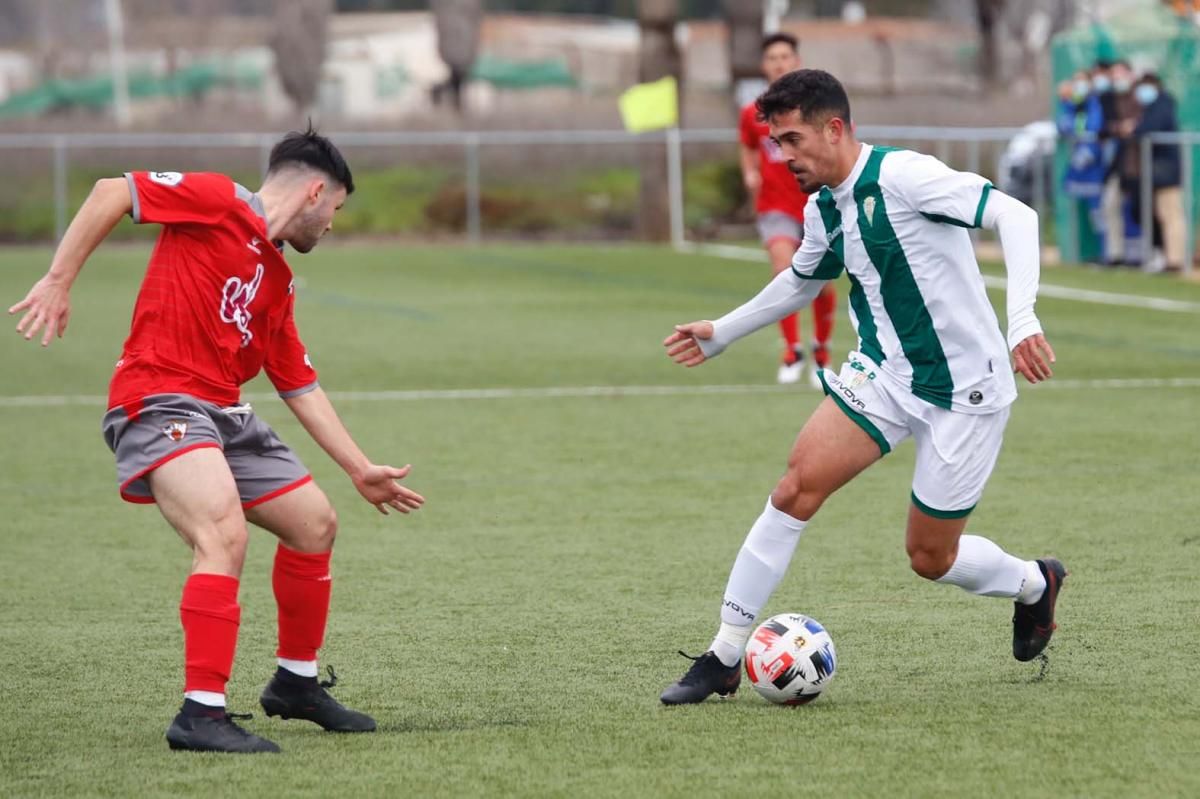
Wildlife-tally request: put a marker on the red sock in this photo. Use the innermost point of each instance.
(791, 335)
(824, 309)
(302, 584)
(210, 616)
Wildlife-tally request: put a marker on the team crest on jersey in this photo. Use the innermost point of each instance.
(235, 302)
(869, 210)
(167, 178)
(175, 429)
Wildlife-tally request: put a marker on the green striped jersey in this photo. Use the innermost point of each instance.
(898, 226)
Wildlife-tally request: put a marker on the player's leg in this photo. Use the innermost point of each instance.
(824, 310)
(196, 494)
(956, 453)
(780, 249)
(279, 496)
(831, 449)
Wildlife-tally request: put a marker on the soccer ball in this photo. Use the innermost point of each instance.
(790, 659)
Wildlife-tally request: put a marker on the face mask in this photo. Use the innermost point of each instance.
(1101, 83)
(1081, 89)
(1122, 85)
(1146, 93)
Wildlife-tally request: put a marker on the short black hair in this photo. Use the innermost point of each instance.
(781, 38)
(815, 93)
(312, 150)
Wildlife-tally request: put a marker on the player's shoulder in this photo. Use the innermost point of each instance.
(898, 162)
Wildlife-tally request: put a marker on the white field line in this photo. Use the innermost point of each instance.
(573, 392)
(991, 281)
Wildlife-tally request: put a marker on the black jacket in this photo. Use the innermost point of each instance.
(1160, 117)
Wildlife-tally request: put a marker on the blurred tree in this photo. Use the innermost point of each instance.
(299, 42)
(458, 23)
(745, 21)
(658, 57)
(988, 15)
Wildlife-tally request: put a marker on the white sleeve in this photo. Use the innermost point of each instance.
(784, 295)
(937, 192)
(1017, 226)
(813, 265)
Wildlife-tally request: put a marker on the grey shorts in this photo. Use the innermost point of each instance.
(778, 225)
(168, 425)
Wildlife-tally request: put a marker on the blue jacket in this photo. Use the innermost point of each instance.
(1080, 125)
(1160, 117)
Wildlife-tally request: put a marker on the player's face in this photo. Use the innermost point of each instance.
(778, 60)
(322, 201)
(810, 150)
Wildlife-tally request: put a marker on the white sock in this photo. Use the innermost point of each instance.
(209, 698)
(760, 565)
(987, 570)
(301, 668)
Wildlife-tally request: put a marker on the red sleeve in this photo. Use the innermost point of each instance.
(167, 198)
(746, 127)
(287, 363)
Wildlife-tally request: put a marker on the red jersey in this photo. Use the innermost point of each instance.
(216, 304)
(779, 190)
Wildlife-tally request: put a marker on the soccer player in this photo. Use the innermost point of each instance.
(779, 203)
(930, 364)
(215, 308)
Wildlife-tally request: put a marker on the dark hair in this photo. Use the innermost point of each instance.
(312, 150)
(781, 38)
(815, 93)
(1151, 76)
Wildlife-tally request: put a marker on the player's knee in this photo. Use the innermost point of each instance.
(930, 563)
(795, 496)
(326, 530)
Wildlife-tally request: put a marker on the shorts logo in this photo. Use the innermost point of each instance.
(175, 429)
(167, 178)
(976, 397)
(235, 302)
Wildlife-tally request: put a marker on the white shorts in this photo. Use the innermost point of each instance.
(956, 452)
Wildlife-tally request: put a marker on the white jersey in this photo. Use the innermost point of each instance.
(898, 226)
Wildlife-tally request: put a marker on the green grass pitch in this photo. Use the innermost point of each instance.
(512, 637)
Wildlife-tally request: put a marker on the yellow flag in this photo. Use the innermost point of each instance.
(650, 106)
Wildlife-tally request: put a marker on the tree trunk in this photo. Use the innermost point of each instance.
(745, 22)
(988, 14)
(458, 25)
(301, 31)
(658, 57)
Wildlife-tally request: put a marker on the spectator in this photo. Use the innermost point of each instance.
(1159, 115)
(1080, 123)
(1121, 111)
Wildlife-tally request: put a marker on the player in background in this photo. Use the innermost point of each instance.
(215, 308)
(779, 204)
(931, 364)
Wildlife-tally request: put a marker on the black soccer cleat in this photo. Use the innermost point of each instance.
(293, 697)
(1034, 624)
(216, 731)
(708, 675)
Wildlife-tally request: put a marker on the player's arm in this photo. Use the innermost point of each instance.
(947, 197)
(1016, 224)
(376, 483)
(751, 177)
(792, 289)
(48, 303)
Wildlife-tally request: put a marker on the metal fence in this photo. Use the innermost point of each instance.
(973, 149)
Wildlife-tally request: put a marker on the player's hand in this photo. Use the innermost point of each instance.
(48, 305)
(1032, 358)
(378, 486)
(683, 345)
